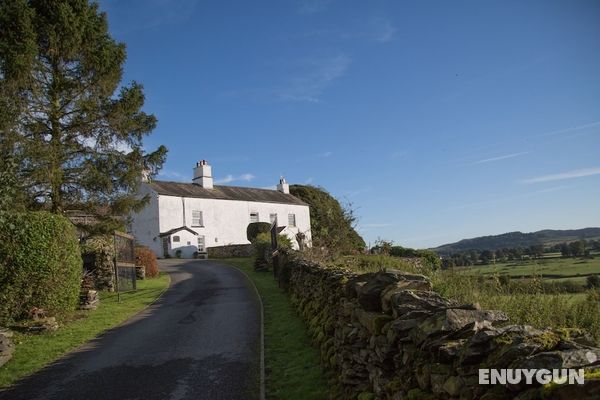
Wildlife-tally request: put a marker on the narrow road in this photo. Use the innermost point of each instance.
(199, 341)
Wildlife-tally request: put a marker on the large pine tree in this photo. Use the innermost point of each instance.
(71, 128)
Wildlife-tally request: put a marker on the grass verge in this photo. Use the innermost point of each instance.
(34, 351)
(293, 369)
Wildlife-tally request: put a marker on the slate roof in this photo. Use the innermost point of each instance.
(180, 189)
(174, 230)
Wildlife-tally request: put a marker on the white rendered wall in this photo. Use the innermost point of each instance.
(225, 221)
(144, 225)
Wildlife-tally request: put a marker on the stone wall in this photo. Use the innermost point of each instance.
(386, 335)
(230, 251)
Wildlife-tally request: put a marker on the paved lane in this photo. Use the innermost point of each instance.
(199, 341)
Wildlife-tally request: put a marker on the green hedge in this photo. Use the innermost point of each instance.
(255, 228)
(40, 264)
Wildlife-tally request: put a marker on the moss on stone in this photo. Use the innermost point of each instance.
(366, 396)
(418, 394)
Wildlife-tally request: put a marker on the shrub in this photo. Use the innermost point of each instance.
(98, 254)
(256, 228)
(262, 247)
(40, 264)
(146, 258)
(593, 281)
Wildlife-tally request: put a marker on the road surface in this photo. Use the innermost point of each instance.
(201, 340)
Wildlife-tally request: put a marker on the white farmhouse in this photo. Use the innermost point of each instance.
(186, 218)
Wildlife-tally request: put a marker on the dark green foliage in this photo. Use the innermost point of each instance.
(254, 228)
(75, 131)
(429, 257)
(593, 281)
(262, 247)
(332, 226)
(99, 253)
(40, 264)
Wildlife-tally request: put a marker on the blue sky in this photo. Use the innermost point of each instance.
(437, 120)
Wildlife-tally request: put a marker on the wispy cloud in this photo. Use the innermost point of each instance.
(169, 174)
(357, 192)
(398, 154)
(571, 129)
(309, 180)
(504, 157)
(325, 154)
(313, 6)
(578, 173)
(309, 85)
(231, 178)
(150, 13)
(382, 30)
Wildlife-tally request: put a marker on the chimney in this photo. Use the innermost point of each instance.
(283, 187)
(203, 175)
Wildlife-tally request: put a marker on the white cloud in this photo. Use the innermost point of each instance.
(231, 178)
(309, 180)
(504, 157)
(318, 75)
(169, 174)
(325, 154)
(382, 30)
(313, 6)
(578, 173)
(571, 129)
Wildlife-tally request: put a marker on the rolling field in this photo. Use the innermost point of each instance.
(559, 269)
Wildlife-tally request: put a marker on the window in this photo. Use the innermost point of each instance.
(197, 218)
(292, 219)
(201, 244)
(253, 217)
(272, 217)
(176, 239)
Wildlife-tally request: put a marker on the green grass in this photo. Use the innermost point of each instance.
(34, 351)
(557, 268)
(293, 369)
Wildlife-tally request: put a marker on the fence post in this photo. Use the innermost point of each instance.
(274, 247)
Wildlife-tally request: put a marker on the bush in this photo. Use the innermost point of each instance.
(256, 228)
(146, 258)
(593, 281)
(98, 254)
(40, 264)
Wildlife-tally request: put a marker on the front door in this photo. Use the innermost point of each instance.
(201, 244)
(165, 243)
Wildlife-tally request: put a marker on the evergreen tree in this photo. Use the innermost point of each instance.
(73, 130)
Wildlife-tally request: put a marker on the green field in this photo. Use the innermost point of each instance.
(556, 268)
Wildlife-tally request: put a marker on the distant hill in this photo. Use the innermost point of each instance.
(518, 239)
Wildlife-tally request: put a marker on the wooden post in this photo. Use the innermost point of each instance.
(274, 247)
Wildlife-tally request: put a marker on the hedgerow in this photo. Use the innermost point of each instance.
(40, 264)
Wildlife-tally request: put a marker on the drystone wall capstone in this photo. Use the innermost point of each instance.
(230, 251)
(387, 335)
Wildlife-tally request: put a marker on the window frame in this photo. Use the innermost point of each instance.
(201, 219)
(175, 239)
(292, 220)
(271, 217)
(257, 216)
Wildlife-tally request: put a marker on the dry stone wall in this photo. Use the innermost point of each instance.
(387, 335)
(232, 250)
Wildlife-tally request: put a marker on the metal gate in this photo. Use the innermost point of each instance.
(125, 276)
